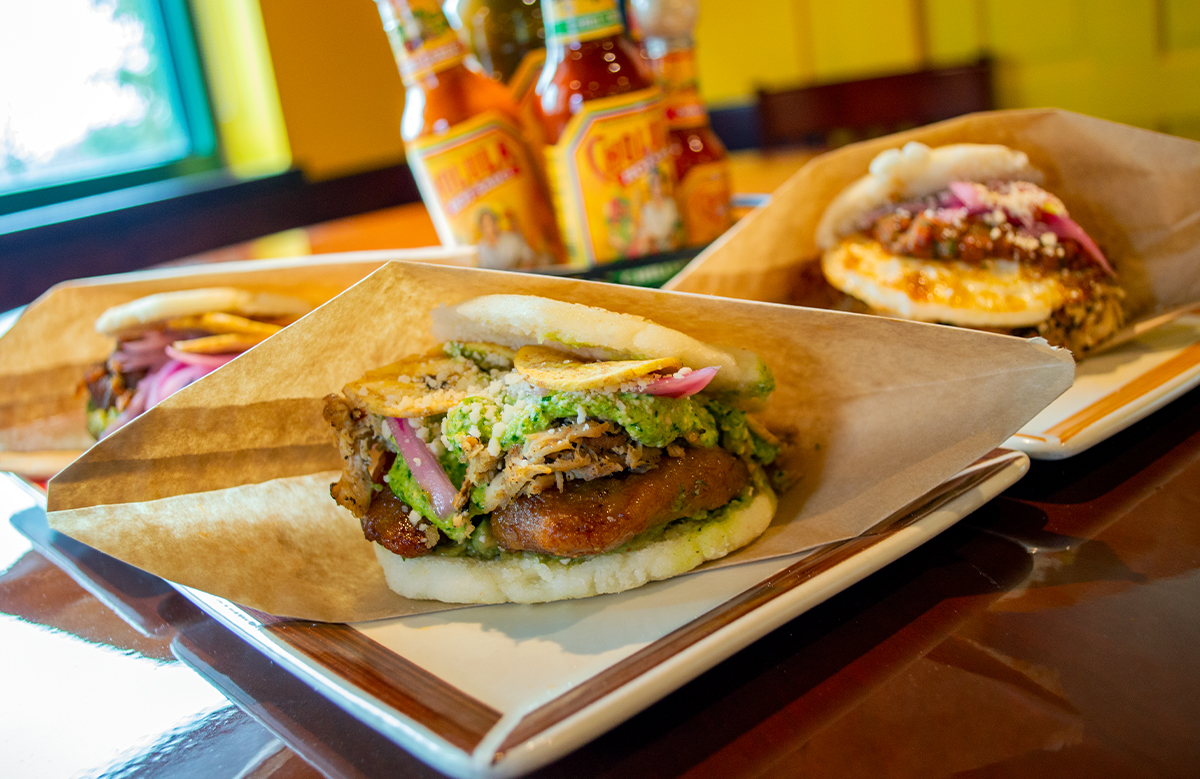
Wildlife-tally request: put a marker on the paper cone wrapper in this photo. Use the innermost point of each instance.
(1136, 192)
(44, 356)
(225, 485)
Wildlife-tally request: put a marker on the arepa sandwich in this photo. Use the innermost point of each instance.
(169, 340)
(965, 235)
(549, 450)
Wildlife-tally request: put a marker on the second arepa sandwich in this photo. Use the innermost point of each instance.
(965, 235)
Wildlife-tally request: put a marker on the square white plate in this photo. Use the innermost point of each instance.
(497, 691)
(1115, 389)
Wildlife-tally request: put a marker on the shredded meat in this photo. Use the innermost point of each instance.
(934, 234)
(354, 434)
(480, 463)
(581, 451)
(108, 387)
(593, 517)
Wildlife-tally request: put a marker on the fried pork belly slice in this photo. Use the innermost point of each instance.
(592, 517)
(388, 522)
(581, 451)
(354, 434)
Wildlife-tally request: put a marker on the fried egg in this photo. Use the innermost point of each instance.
(993, 293)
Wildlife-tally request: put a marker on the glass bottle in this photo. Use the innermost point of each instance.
(701, 165)
(464, 145)
(608, 155)
(501, 34)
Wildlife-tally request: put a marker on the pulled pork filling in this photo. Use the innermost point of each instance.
(523, 460)
(1006, 221)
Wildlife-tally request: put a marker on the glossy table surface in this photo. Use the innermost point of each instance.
(1054, 632)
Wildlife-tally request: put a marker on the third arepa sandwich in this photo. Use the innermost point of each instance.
(549, 450)
(169, 340)
(965, 235)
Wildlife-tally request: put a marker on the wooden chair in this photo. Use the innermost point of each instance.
(872, 106)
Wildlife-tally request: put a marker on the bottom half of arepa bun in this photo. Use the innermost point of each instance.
(1069, 309)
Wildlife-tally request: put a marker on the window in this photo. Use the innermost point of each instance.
(96, 95)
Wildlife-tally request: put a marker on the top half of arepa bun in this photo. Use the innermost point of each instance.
(520, 320)
(142, 312)
(916, 171)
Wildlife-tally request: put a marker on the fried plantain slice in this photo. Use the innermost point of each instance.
(416, 386)
(486, 355)
(219, 322)
(557, 370)
(225, 343)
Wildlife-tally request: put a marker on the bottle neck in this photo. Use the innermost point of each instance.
(573, 21)
(421, 38)
(674, 66)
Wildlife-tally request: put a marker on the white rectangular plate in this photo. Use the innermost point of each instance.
(497, 691)
(1115, 389)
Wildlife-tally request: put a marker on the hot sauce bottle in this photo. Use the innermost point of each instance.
(608, 155)
(509, 42)
(701, 165)
(464, 145)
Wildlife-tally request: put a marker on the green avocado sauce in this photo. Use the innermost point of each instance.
(99, 418)
(405, 486)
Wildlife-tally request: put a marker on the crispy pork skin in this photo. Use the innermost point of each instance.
(592, 517)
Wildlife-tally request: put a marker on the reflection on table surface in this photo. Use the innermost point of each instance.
(1054, 632)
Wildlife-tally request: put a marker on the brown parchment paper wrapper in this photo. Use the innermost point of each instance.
(45, 354)
(224, 486)
(1136, 192)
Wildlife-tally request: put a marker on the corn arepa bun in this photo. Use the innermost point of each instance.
(916, 171)
(595, 333)
(529, 578)
(145, 311)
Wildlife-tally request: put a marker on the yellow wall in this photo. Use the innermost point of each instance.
(1134, 62)
(338, 84)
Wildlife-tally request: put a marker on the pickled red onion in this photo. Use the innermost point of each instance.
(968, 194)
(424, 466)
(1061, 225)
(155, 387)
(152, 340)
(180, 379)
(682, 386)
(128, 362)
(211, 360)
(1066, 227)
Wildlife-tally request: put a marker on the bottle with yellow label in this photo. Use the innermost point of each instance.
(509, 42)
(461, 130)
(701, 164)
(608, 155)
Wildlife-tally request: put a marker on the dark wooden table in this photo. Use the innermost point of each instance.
(1054, 632)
